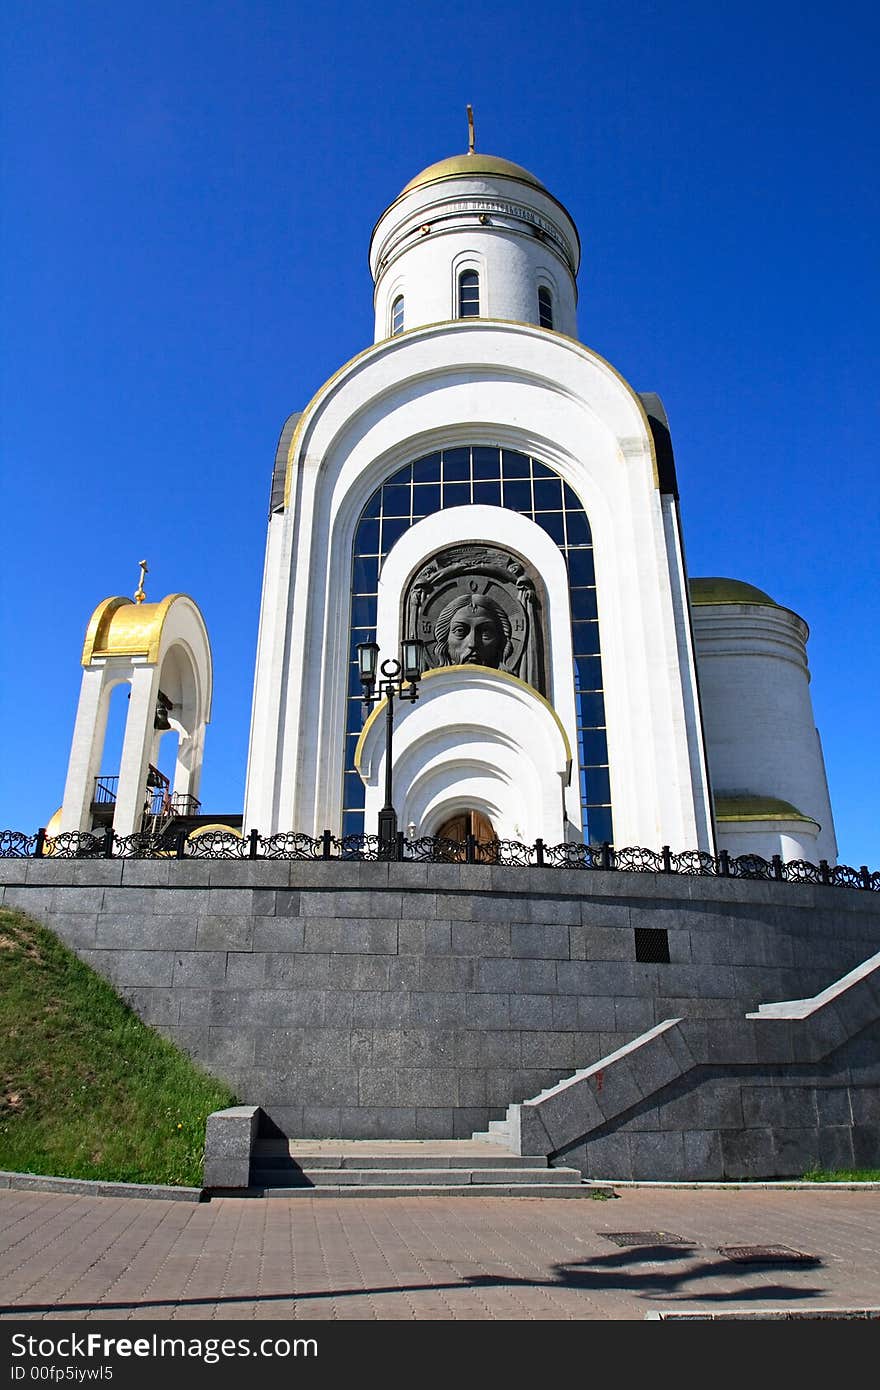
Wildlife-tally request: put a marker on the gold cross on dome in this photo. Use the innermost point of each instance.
(470, 116)
(139, 594)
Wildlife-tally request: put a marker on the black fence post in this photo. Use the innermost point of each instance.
(866, 876)
(398, 846)
(181, 844)
(778, 870)
(539, 852)
(667, 859)
(824, 871)
(724, 863)
(40, 843)
(606, 855)
(325, 845)
(253, 842)
(108, 842)
(470, 849)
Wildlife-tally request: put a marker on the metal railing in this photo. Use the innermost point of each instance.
(105, 791)
(291, 845)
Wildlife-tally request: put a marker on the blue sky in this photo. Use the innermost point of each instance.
(188, 194)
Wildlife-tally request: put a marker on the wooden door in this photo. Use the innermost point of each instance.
(466, 823)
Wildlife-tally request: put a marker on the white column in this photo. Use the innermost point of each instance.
(136, 748)
(86, 750)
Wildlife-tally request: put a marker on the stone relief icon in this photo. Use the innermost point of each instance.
(478, 605)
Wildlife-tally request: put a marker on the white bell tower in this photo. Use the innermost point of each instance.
(161, 650)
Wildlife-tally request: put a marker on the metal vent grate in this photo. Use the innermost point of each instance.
(626, 1238)
(652, 945)
(766, 1254)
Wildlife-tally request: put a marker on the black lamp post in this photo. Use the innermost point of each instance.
(401, 679)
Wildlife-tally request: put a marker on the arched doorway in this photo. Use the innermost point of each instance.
(462, 824)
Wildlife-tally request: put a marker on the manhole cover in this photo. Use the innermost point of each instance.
(766, 1254)
(646, 1238)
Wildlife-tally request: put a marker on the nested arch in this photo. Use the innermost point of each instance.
(495, 477)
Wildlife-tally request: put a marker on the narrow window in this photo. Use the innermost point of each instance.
(397, 316)
(545, 307)
(468, 294)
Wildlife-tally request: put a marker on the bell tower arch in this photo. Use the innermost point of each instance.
(162, 652)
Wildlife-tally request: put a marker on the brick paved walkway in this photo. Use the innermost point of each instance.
(430, 1258)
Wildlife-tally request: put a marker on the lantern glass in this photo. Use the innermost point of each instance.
(411, 659)
(368, 657)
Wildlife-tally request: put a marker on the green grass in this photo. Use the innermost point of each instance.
(86, 1089)
(843, 1175)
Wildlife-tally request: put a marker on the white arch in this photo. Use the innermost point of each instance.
(478, 381)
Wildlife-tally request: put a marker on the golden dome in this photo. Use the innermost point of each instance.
(705, 591)
(119, 627)
(464, 165)
(744, 806)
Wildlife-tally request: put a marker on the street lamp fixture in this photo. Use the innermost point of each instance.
(398, 679)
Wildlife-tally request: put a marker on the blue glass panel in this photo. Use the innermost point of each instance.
(518, 496)
(403, 475)
(374, 505)
(365, 575)
(353, 823)
(515, 465)
(592, 707)
(427, 469)
(487, 462)
(367, 540)
(392, 529)
(594, 745)
(588, 672)
(354, 788)
(599, 822)
(552, 523)
(548, 494)
(583, 603)
(580, 566)
(357, 715)
(354, 680)
(426, 500)
(363, 611)
(489, 494)
(456, 465)
(578, 529)
(599, 786)
(585, 639)
(396, 500)
(571, 499)
(540, 470)
(456, 494)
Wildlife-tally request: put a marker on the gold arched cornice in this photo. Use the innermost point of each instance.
(119, 627)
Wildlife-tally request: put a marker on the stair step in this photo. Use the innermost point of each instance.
(264, 1176)
(537, 1189)
(283, 1158)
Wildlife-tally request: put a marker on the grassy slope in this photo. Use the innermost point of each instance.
(86, 1089)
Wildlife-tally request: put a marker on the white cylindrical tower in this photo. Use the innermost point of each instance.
(475, 236)
(765, 758)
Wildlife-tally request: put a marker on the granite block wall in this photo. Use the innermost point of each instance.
(417, 1000)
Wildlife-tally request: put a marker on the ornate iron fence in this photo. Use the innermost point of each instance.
(219, 844)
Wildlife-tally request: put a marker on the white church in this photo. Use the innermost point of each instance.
(482, 483)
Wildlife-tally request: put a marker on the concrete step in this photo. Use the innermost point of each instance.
(263, 1176)
(536, 1189)
(283, 1167)
(284, 1159)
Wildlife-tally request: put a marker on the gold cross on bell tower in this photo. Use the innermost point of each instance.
(139, 593)
(470, 119)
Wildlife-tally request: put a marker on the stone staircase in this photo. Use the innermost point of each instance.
(480, 1167)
